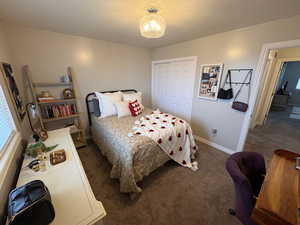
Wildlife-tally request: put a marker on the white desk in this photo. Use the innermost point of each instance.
(71, 193)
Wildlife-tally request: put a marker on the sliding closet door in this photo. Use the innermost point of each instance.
(173, 85)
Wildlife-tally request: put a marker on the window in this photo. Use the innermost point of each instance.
(7, 125)
(298, 84)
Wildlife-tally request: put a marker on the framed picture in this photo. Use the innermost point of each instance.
(7, 72)
(210, 79)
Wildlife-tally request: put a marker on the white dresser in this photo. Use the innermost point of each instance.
(71, 193)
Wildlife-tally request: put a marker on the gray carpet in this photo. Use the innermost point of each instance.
(174, 195)
(280, 132)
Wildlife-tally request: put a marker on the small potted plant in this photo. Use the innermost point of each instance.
(37, 148)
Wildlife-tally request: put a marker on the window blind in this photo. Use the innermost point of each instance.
(7, 126)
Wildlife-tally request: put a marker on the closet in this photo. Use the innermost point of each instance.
(173, 86)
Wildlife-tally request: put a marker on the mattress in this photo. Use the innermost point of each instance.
(132, 158)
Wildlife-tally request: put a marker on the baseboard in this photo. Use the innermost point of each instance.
(212, 144)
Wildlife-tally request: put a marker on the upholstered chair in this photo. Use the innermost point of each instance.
(247, 170)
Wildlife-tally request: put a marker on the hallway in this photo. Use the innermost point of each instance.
(280, 132)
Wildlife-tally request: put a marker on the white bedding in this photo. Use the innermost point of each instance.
(172, 134)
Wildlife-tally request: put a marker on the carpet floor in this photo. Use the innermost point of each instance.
(279, 132)
(173, 195)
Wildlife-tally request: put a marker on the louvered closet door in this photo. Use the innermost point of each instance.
(173, 85)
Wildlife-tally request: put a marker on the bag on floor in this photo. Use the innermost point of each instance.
(226, 94)
(30, 204)
(238, 105)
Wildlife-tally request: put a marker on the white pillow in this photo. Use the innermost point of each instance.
(122, 109)
(132, 97)
(106, 103)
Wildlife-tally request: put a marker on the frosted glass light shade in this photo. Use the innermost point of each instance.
(152, 26)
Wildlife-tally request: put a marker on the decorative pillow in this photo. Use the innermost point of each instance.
(122, 109)
(134, 96)
(135, 108)
(95, 107)
(106, 102)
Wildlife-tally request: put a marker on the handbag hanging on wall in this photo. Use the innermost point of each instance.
(242, 106)
(226, 94)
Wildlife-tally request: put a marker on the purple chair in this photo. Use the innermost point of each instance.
(247, 170)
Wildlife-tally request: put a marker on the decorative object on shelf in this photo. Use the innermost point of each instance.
(45, 96)
(223, 93)
(210, 79)
(34, 149)
(68, 93)
(57, 157)
(152, 25)
(65, 79)
(14, 93)
(242, 106)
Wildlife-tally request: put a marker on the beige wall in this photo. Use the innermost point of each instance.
(98, 65)
(236, 49)
(289, 53)
(4, 49)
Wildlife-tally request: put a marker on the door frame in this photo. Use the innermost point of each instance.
(257, 84)
(189, 58)
(272, 89)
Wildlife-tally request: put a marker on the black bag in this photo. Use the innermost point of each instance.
(238, 105)
(226, 94)
(30, 204)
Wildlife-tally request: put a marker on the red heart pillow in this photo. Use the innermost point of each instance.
(135, 108)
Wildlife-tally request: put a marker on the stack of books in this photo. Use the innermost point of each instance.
(61, 110)
(46, 99)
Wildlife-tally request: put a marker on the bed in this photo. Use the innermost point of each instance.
(132, 157)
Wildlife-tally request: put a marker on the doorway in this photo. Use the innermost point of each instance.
(277, 118)
(285, 104)
(173, 86)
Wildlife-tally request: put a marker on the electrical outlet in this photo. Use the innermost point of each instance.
(214, 132)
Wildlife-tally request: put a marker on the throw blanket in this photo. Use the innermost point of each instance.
(172, 134)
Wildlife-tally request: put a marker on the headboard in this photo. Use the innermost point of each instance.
(89, 101)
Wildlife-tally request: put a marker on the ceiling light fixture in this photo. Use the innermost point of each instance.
(152, 25)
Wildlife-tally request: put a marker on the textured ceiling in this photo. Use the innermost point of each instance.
(118, 20)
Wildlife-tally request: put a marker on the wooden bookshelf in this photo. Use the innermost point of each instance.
(40, 84)
(46, 120)
(51, 109)
(79, 144)
(57, 101)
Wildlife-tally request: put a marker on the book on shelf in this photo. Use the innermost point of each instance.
(58, 110)
(46, 99)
